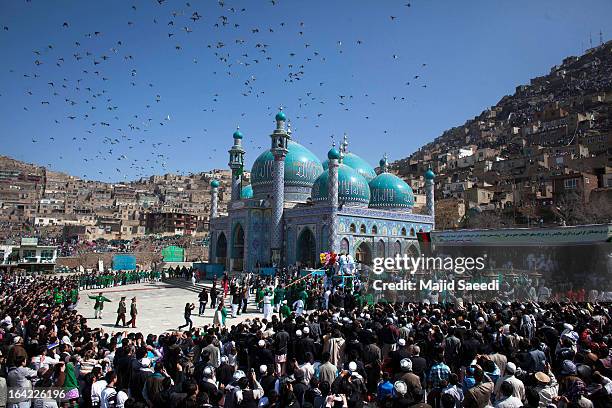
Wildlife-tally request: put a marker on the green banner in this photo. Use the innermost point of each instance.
(173, 254)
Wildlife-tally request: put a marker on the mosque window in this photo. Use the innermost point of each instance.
(353, 228)
(374, 230)
(403, 231)
(397, 248)
(412, 233)
(362, 229)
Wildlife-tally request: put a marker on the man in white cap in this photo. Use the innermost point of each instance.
(224, 373)
(298, 306)
(267, 379)
(16, 349)
(233, 393)
(267, 304)
(410, 379)
(400, 353)
(262, 355)
(517, 385)
(208, 383)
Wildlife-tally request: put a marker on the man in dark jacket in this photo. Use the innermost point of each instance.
(281, 340)
(133, 313)
(419, 364)
(262, 355)
(203, 297)
(305, 344)
(121, 310)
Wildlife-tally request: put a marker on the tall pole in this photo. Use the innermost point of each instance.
(236, 163)
(429, 194)
(214, 199)
(279, 149)
(332, 190)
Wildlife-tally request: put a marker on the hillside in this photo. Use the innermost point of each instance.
(42, 202)
(557, 125)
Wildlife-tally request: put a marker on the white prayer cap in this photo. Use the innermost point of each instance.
(400, 387)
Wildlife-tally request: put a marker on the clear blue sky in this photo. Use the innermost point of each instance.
(475, 52)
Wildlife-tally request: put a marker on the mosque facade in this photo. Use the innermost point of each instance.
(297, 207)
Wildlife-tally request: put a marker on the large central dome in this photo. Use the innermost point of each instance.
(302, 168)
(352, 187)
(358, 164)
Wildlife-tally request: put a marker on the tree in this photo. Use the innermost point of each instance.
(571, 209)
(529, 212)
(485, 219)
(574, 211)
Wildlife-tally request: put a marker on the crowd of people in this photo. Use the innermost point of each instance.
(108, 279)
(317, 344)
(152, 244)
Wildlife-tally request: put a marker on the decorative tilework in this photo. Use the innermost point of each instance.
(278, 201)
(214, 202)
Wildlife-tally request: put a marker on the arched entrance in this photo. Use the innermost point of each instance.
(363, 254)
(324, 245)
(238, 248)
(221, 249)
(306, 248)
(381, 249)
(344, 246)
(397, 248)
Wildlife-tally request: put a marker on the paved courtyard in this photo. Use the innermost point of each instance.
(160, 306)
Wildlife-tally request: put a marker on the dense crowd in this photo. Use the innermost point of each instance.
(108, 279)
(334, 352)
(151, 243)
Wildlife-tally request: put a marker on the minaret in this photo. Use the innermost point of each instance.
(279, 149)
(344, 145)
(333, 157)
(383, 164)
(236, 163)
(214, 198)
(429, 193)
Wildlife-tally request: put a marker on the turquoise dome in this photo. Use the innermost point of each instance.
(237, 134)
(214, 183)
(357, 163)
(302, 168)
(352, 187)
(246, 192)
(280, 116)
(430, 175)
(389, 191)
(333, 154)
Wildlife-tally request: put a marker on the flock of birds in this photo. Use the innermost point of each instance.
(77, 84)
